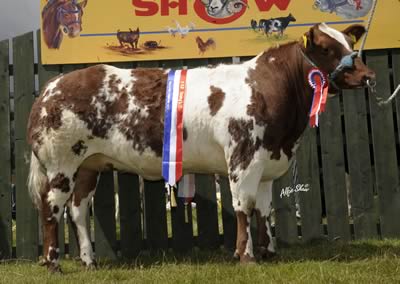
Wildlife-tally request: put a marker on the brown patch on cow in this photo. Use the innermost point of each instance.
(280, 99)
(149, 92)
(79, 148)
(80, 91)
(242, 236)
(85, 183)
(246, 145)
(60, 181)
(215, 100)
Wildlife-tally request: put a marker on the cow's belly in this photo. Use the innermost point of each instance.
(274, 169)
(200, 157)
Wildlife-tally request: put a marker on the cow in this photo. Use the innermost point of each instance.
(278, 25)
(243, 121)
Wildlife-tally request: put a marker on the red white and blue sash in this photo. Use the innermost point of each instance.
(173, 127)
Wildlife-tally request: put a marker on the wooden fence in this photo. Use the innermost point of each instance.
(355, 148)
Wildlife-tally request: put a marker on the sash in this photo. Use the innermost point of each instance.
(173, 127)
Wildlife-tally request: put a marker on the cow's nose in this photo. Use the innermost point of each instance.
(369, 77)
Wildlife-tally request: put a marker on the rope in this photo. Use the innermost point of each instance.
(391, 97)
(371, 15)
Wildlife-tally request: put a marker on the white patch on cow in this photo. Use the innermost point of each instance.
(335, 35)
(43, 112)
(264, 205)
(78, 215)
(49, 91)
(54, 261)
(249, 244)
(271, 59)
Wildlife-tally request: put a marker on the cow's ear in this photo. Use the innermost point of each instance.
(83, 4)
(355, 32)
(308, 38)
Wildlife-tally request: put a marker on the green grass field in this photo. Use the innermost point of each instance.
(322, 262)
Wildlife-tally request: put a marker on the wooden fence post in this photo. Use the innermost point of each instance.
(308, 173)
(24, 87)
(384, 143)
(360, 172)
(334, 171)
(5, 157)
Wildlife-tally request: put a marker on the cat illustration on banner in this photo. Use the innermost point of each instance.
(347, 9)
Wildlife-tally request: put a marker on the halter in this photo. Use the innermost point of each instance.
(61, 11)
(347, 61)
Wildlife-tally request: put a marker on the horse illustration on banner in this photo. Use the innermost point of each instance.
(61, 17)
(348, 9)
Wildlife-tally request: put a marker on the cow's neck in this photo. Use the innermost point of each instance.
(281, 97)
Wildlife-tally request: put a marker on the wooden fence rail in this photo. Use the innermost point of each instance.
(352, 159)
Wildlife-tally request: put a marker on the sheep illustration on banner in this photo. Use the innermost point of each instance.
(347, 9)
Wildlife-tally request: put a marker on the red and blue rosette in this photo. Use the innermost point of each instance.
(319, 82)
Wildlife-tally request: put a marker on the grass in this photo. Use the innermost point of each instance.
(321, 262)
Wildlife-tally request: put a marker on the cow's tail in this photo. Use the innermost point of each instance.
(37, 180)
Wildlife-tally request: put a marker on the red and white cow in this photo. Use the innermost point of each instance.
(243, 121)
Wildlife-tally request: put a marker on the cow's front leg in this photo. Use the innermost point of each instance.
(244, 185)
(265, 245)
(244, 242)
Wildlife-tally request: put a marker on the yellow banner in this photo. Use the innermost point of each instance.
(89, 31)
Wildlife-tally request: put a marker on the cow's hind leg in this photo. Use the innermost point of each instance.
(244, 189)
(85, 186)
(58, 190)
(265, 243)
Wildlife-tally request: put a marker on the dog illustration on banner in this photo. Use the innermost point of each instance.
(348, 9)
(61, 17)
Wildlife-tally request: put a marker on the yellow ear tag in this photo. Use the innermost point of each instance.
(353, 38)
(305, 41)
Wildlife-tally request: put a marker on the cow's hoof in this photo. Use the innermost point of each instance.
(42, 262)
(247, 259)
(265, 254)
(54, 268)
(236, 255)
(91, 266)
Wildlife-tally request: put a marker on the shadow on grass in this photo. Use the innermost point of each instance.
(320, 250)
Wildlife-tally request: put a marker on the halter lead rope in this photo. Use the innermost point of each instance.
(371, 15)
(370, 84)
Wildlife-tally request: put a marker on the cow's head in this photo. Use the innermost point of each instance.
(69, 16)
(332, 52)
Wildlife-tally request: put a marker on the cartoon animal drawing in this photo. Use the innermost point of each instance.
(223, 8)
(254, 25)
(277, 25)
(348, 9)
(131, 37)
(152, 44)
(59, 18)
(204, 46)
(178, 29)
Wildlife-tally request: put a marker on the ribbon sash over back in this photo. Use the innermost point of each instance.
(173, 127)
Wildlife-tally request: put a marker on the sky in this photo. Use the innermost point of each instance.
(18, 17)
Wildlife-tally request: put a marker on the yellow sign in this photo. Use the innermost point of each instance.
(89, 31)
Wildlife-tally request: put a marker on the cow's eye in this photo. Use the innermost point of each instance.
(325, 51)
